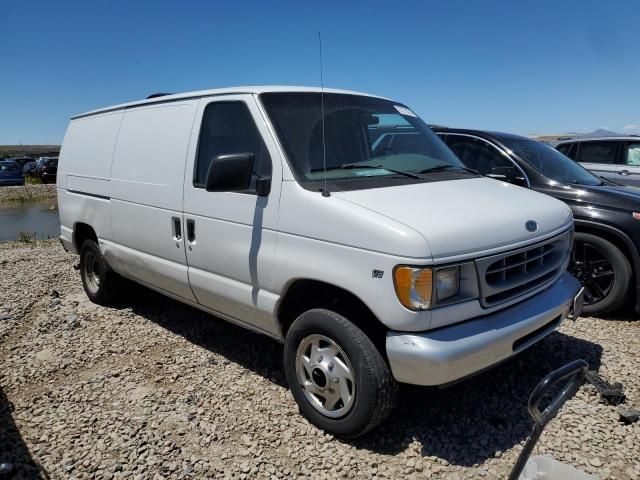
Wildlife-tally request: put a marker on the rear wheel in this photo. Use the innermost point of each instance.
(100, 282)
(337, 376)
(603, 270)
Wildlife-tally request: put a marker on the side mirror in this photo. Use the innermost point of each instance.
(508, 174)
(230, 173)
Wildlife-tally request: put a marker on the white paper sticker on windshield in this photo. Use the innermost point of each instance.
(405, 111)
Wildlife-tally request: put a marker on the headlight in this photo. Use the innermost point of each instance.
(447, 283)
(415, 285)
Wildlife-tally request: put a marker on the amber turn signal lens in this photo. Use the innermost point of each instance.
(414, 287)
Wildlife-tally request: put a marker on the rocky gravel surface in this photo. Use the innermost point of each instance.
(154, 389)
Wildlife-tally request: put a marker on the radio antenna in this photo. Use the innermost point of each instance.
(325, 192)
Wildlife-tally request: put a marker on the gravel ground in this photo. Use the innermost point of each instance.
(155, 389)
(27, 193)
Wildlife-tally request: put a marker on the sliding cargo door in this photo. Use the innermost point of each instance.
(146, 199)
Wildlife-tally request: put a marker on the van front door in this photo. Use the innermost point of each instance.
(231, 236)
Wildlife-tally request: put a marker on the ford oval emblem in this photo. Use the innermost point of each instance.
(531, 226)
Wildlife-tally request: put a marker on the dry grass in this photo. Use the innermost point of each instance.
(27, 193)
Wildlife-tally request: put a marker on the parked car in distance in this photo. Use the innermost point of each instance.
(607, 216)
(22, 161)
(10, 173)
(29, 168)
(46, 169)
(614, 158)
(372, 267)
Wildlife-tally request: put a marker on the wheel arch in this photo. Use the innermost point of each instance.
(304, 294)
(81, 232)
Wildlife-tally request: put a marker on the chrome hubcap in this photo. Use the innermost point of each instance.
(91, 272)
(325, 375)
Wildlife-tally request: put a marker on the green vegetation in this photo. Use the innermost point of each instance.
(26, 237)
(31, 180)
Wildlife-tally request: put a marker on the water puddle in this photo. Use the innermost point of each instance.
(38, 218)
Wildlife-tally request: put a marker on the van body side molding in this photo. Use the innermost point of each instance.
(87, 194)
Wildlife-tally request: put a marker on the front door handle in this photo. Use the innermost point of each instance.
(191, 230)
(176, 228)
(624, 172)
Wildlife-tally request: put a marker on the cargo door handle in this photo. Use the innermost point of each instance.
(176, 228)
(191, 230)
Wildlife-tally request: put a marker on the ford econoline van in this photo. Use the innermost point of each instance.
(295, 213)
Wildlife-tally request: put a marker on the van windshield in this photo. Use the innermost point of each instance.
(368, 142)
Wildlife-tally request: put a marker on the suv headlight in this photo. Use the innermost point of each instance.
(415, 285)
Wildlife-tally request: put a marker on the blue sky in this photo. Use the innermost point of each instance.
(523, 67)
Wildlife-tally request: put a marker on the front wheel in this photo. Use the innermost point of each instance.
(604, 272)
(337, 376)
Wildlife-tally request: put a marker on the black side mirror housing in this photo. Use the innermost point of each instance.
(263, 186)
(230, 172)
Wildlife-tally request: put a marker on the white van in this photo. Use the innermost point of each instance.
(289, 211)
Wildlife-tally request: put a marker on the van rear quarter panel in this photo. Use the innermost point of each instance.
(83, 174)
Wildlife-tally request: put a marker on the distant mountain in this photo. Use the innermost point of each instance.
(600, 132)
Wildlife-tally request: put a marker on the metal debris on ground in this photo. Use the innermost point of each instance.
(629, 415)
(609, 394)
(6, 470)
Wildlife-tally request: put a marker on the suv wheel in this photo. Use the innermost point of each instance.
(603, 270)
(99, 281)
(337, 376)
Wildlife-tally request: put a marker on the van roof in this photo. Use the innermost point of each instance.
(217, 91)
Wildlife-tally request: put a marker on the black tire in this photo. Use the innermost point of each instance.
(375, 388)
(100, 282)
(606, 278)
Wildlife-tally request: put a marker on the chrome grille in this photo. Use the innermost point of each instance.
(511, 274)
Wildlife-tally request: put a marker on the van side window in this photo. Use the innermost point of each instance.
(227, 128)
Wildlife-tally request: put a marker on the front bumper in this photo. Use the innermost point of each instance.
(451, 353)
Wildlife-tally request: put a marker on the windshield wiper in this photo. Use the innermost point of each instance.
(349, 166)
(447, 166)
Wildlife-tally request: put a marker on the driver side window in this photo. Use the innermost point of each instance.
(228, 128)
